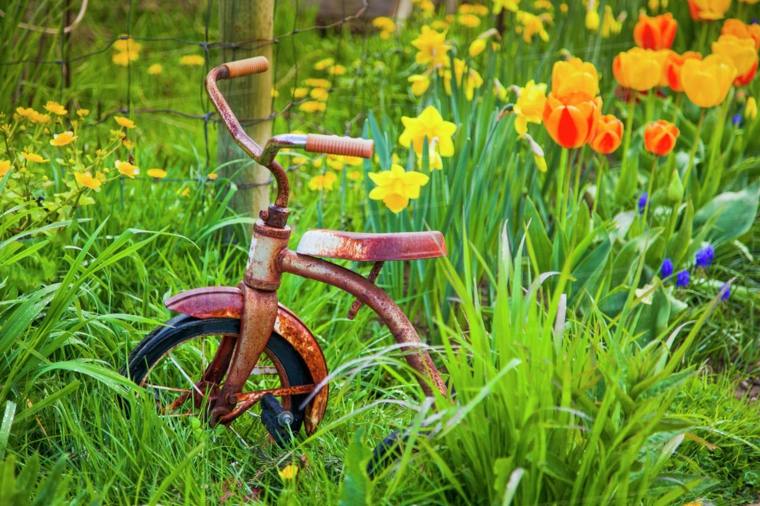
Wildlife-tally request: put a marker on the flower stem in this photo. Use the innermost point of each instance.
(559, 201)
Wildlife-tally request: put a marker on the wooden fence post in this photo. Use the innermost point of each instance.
(247, 30)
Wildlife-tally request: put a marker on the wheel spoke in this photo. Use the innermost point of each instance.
(184, 374)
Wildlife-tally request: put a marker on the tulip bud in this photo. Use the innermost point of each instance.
(750, 110)
(660, 137)
(675, 188)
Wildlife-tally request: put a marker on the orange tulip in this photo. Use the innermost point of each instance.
(672, 68)
(660, 137)
(742, 30)
(609, 133)
(571, 122)
(574, 77)
(708, 10)
(637, 69)
(655, 32)
(741, 53)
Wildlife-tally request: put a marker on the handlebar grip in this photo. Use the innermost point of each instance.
(335, 145)
(255, 65)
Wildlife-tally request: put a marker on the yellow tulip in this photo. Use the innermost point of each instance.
(750, 110)
(742, 53)
(638, 69)
(707, 82)
(575, 77)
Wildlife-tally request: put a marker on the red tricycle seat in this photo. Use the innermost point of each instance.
(366, 247)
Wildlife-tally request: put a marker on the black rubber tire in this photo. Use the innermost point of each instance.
(183, 328)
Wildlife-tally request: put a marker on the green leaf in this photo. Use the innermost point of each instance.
(356, 487)
(729, 214)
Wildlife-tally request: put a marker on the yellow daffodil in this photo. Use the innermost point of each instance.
(431, 125)
(510, 5)
(33, 157)
(288, 472)
(87, 180)
(529, 106)
(124, 122)
(435, 162)
(432, 49)
(477, 46)
(750, 109)
(477, 9)
(470, 84)
(531, 25)
(323, 182)
(155, 69)
(63, 139)
(5, 166)
(575, 77)
(212, 176)
(386, 26)
(543, 5)
(192, 60)
(83, 112)
(300, 92)
(312, 106)
(127, 169)
(468, 20)
(56, 108)
(420, 83)
(317, 83)
(592, 20)
(427, 7)
(610, 24)
(320, 94)
(707, 82)
(324, 64)
(156, 173)
(501, 92)
(396, 187)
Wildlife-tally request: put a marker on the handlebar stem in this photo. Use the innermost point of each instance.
(276, 143)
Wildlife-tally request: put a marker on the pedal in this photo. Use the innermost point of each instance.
(279, 422)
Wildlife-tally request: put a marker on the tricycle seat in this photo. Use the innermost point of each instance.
(365, 247)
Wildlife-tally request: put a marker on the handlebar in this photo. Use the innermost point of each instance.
(314, 143)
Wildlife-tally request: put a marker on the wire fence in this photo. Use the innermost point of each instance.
(73, 51)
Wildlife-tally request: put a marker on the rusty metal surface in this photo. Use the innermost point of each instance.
(366, 247)
(379, 301)
(244, 401)
(262, 271)
(227, 302)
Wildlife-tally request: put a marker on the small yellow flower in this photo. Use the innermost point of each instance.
(336, 70)
(127, 169)
(315, 82)
(354, 175)
(323, 181)
(420, 83)
(531, 25)
(468, 20)
(500, 91)
(750, 110)
(127, 45)
(288, 472)
(184, 191)
(432, 49)
(320, 94)
(275, 93)
(155, 69)
(431, 125)
(157, 173)
(124, 122)
(324, 63)
(124, 57)
(87, 180)
(192, 60)
(540, 163)
(5, 166)
(386, 26)
(33, 157)
(56, 108)
(335, 162)
(63, 138)
(83, 112)
(563, 8)
(212, 176)
(300, 92)
(473, 81)
(477, 46)
(312, 106)
(529, 106)
(396, 187)
(592, 20)
(510, 5)
(127, 143)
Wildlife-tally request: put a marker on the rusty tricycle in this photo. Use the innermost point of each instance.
(233, 347)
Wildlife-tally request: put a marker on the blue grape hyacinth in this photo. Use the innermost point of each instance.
(643, 202)
(666, 269)
(682, 279)
(725, 291)
(704, 256)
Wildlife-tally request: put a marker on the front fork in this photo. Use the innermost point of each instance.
(259, 287)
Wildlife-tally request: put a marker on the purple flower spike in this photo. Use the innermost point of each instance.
(682, 279)
(725, 292)
(643, 202)
(704, 256)
(666, 269)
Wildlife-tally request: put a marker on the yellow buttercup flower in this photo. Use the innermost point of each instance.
(123, 58)
(386, 26)
(477, 46)
(323, 182)
(83, 112)
(470, 84)
(707, 82)
(288, 472)
(575, 77)
(212, 176)
(312, 106)
(55, 108)
(529, 106)
(317, 83)
(510, 5)
(336, 70)
(63, 138)
(431, 125)
(124, 122)
(300, 92)
(32, 115)
(33, 157)
(432, 49)
(468, 20)
(396, 187)
(157, 173)
(127, 45)
(192, 60)
(87, 180)
(5, 166)
(320, 94)
(127, 169)
(420, 83)
(354, 175)
(324, 63)
(750, 110)
(155, 69)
